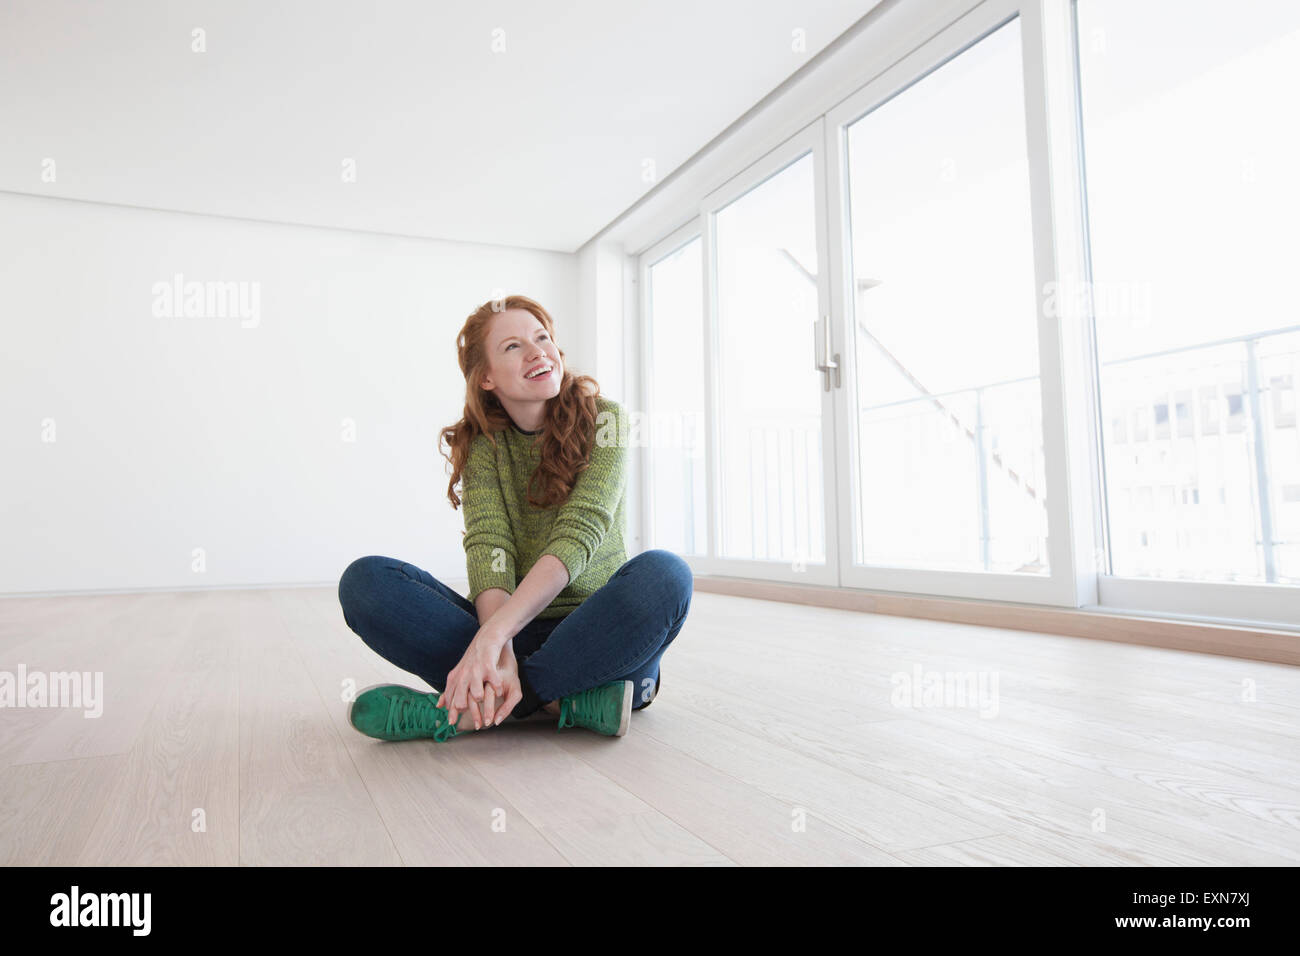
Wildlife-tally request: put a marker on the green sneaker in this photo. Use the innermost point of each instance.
(606, 709)
(393, 712)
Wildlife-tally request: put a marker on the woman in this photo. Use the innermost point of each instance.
(558, 621)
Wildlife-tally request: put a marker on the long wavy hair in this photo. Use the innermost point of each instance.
(568, 428)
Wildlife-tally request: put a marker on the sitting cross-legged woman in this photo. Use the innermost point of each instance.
(559, 624)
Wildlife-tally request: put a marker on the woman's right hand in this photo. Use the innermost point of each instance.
(470, 683)
(513, 691)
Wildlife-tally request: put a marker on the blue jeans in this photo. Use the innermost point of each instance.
(620, 632)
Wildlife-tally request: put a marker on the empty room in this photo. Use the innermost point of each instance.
(819, 433)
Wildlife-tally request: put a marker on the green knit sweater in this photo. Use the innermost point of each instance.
(505, 535)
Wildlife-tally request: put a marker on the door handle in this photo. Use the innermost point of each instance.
(826, 364)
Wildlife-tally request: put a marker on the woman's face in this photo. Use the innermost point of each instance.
(517, 343)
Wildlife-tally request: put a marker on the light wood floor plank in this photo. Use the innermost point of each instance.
(86, 639)
(1170, 814)
(637, 839)
(133, 654)
(302, 800)
(177, 801)
(762, 748)
(749, 826)
(47, 810)
(570, 802)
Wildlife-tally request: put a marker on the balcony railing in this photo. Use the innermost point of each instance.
(784, 481)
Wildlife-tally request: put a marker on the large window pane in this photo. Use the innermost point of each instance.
(1191, 144)
(948, 411)
(770, 406)
(678, 466)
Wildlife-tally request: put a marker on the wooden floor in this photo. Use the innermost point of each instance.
(224, 740)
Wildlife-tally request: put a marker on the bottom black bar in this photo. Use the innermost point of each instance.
(981, 906)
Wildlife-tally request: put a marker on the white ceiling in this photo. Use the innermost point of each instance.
(540, 145)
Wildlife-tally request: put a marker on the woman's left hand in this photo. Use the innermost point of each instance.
(465, 682)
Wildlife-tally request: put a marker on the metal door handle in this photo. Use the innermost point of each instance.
(826, 364)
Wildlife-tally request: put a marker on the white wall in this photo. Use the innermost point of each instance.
(176, 433)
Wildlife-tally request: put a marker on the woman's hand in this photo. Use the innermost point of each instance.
(514, 692)
(475, 682)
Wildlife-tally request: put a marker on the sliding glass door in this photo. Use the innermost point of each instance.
(943, 322)
(945, 484)
(1192, 141)
(769, 413)
(767, 476)
(676, 503)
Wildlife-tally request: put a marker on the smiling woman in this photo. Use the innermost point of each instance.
(520, 348)
(542, 462)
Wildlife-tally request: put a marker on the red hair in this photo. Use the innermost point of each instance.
(568, 427)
